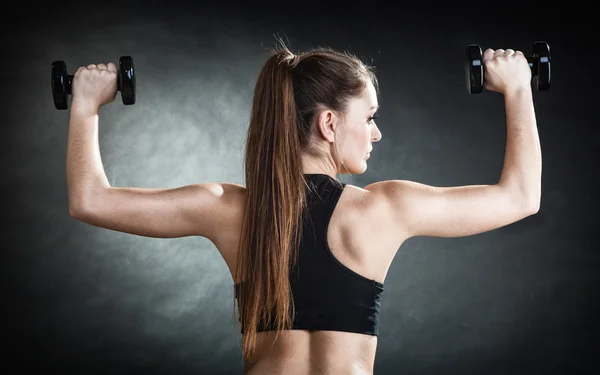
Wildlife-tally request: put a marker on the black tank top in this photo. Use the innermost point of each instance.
(328, 295)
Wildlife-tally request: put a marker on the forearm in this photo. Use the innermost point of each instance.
(523, 157)
(85, 172)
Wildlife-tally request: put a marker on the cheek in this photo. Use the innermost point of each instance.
(366, 134)
(360, 134)
(358, 137)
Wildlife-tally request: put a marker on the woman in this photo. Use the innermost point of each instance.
(308, 254)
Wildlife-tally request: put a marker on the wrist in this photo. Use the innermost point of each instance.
(84, 108)
(517, 91)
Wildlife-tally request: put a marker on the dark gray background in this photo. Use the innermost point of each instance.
(80, 299)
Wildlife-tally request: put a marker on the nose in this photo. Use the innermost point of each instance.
(376, 134)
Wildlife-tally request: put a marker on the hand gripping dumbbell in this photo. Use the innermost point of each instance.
(62, 82)
(539, 63)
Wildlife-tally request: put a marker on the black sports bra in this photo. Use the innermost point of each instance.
(328, 295)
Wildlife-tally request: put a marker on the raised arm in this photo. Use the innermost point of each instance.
(195, 210)
(416, 209)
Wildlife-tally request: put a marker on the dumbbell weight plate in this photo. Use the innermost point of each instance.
(542, 62)
(474, 69)
(61, 85)
(126, 81)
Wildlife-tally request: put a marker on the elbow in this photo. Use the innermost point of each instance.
(526, 201)
(76, 212)
(83, 205)
(532, 210)
(80, 212)
(531, 206)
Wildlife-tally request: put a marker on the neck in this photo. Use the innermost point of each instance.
(318, 165)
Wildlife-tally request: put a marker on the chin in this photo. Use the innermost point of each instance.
(354, 169)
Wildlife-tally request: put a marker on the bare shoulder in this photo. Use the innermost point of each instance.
(363, 200)
(229, 210)
(227, 222)
(234, 195)
(371, 207)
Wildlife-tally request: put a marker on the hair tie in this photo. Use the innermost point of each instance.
(294, 61)
(291, 59)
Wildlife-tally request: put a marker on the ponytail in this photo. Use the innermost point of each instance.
(275, 202)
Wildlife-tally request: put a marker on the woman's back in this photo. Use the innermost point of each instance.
(346, 249)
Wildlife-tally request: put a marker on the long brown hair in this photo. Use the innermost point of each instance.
(289, 92)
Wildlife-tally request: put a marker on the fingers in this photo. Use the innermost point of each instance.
(110, 67)
(490, 53)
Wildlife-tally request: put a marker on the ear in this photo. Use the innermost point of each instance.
(326, 124)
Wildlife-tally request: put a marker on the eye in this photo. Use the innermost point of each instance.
(373, 117)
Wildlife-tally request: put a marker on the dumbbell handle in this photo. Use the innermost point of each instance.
(530, 62)
(534, 71)
(69, 83)
(532, 65)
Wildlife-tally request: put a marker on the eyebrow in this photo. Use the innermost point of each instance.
(374, 107)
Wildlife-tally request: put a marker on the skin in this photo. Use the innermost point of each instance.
(369, 223)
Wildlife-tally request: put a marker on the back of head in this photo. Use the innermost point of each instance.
(290, 92)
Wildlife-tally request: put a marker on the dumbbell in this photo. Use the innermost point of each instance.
(539, 63)
(62, 82)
